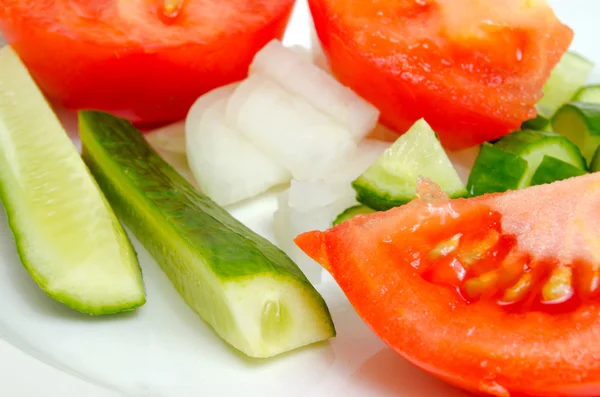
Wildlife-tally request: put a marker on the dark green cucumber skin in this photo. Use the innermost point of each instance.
(589, 113)
(552, 170)
(495, 170)
(517, 142)
(365, 195)
(595, 163)
(146, 192)
(351, 212)
(540, 123)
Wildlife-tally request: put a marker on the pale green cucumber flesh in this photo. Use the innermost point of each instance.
(243, 286)
(580, 123)
(67, 236)
(532, 146)
(552, 169)
(567, 77)
(351, 212)
(392, 180)
(588, 94)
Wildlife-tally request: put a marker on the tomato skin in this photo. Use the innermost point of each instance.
(478, 346)
(143, 79)
(468, 91)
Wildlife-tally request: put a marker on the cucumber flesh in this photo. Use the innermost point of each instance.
(532, 146)
(244, 287)
(580, 123)
(67, 236)
(392, 180)
(351, 213)
(552, 169)
(495, 170)
(567, 77)
(588, 94)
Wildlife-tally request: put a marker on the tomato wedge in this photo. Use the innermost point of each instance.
(473, 69)
(497, 294)
(145, 60)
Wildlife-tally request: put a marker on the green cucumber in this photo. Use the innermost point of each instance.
(580, 123)
(595, 163)
(552, 169)
(495, 170)
(392, 180)
(532, 146)
(540, 123)
(67, 236)
(244, 287)
(567, 77)
(588, 94)
(351, 213)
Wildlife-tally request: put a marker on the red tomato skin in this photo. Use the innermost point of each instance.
(480, 346)
(146, 83)
(463, 113)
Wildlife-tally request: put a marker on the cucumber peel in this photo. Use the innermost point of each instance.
(495, 170)
(67, 236)
(580, 123)
(392, 180)
(252, 295)
(533, 146)
(552, 169)
(351, 212)
(588, 94)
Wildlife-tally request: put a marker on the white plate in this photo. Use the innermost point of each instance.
(166, 350)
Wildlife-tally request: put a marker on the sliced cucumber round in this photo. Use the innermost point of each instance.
(392, 180)
(351, 212)
(588, 94)
(552, 169)
(495, 170)
(567, 77)
(67, 236)
(580, 123)
(244, 287)
(533, 146)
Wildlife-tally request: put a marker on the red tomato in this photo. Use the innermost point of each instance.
(496, 294)
(126, 57)
(473, 69)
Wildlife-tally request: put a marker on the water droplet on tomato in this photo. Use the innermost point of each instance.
(519, 54)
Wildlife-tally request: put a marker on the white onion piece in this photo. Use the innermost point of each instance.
(367, 153)
(303, 78)
(170, 138)
(199, 107)
(226, 165)
(290, 130)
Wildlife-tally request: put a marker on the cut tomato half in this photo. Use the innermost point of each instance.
(145, 60)
(497, 294)
(473, 69)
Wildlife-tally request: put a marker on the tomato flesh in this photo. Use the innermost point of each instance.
(518, 315)
(124, 57)
(473, 69)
